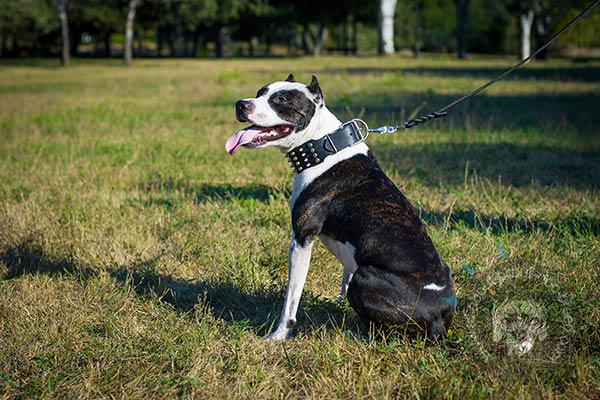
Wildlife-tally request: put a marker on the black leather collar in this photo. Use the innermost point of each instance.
(314, 152)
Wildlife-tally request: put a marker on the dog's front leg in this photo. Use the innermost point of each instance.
(298, 262)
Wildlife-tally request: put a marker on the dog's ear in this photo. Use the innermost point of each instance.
(290, 78)
(316, 90)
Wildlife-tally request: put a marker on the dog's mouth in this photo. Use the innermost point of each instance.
(255, 136)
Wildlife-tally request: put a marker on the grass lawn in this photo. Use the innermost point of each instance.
(139, 260)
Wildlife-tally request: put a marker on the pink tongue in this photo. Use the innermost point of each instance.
(239, 139)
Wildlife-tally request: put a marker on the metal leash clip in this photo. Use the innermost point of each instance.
(384, 129)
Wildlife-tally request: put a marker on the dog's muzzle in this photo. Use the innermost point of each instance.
(242, 109)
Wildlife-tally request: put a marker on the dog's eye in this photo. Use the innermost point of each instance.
(281, 100)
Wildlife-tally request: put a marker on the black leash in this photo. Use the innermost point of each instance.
(442, 112)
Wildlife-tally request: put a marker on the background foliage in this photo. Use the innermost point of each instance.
(265, 27)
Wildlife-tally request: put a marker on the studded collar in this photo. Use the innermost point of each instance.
(314, 152)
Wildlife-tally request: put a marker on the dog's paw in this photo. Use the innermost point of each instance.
(279, 335)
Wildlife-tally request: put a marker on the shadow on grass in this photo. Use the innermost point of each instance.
(510, 164)
(206, 192)
(568, 120)
(578, 73)
(225, 191)
(565, 114)
(225, 301)
(577, 224)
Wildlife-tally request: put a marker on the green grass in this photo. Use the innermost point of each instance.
(139, 260)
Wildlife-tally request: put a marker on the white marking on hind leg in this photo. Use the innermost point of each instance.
(433, 286)
(344, 252)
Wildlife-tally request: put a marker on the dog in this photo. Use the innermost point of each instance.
(392, 272)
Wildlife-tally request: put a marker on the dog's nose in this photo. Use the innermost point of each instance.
(242, 108)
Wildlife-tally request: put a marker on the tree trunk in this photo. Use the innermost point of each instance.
(345, 45)
(526, 22)
(417, 46)
(186, 43)
(159, 41)
(387, 10)
(313, 42)
(544, 23)
(140, 45)
(195, 38)
(107, 44)
(64, 23)
(170, 32)
(268, 44)
(252, 46)
(129, 32)
(462, 12)
(222, 45)
(354, 35)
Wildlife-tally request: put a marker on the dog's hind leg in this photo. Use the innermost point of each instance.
(378, 300)
(344, 252)
(384, 299)
(437, 330)
(346, 278)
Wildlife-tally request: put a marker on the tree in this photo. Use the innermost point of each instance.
(460, 31)
(64, 23)
(196, 16)
(100, 19)
(418, 4)
(387, 10)
(526, 14)
(129, 32)
(227, 11)
(548, 13)
(28, 27)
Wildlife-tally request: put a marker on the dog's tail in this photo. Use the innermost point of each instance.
(437, 330)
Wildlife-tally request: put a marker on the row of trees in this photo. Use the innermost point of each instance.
(252, 27)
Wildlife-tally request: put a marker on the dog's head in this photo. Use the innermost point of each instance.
(280, 114)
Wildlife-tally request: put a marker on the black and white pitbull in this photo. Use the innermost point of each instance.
(393, 274)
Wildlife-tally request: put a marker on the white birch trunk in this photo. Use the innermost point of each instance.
(387, 10)
(526, 20)
(64, 24)
(129, 32)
